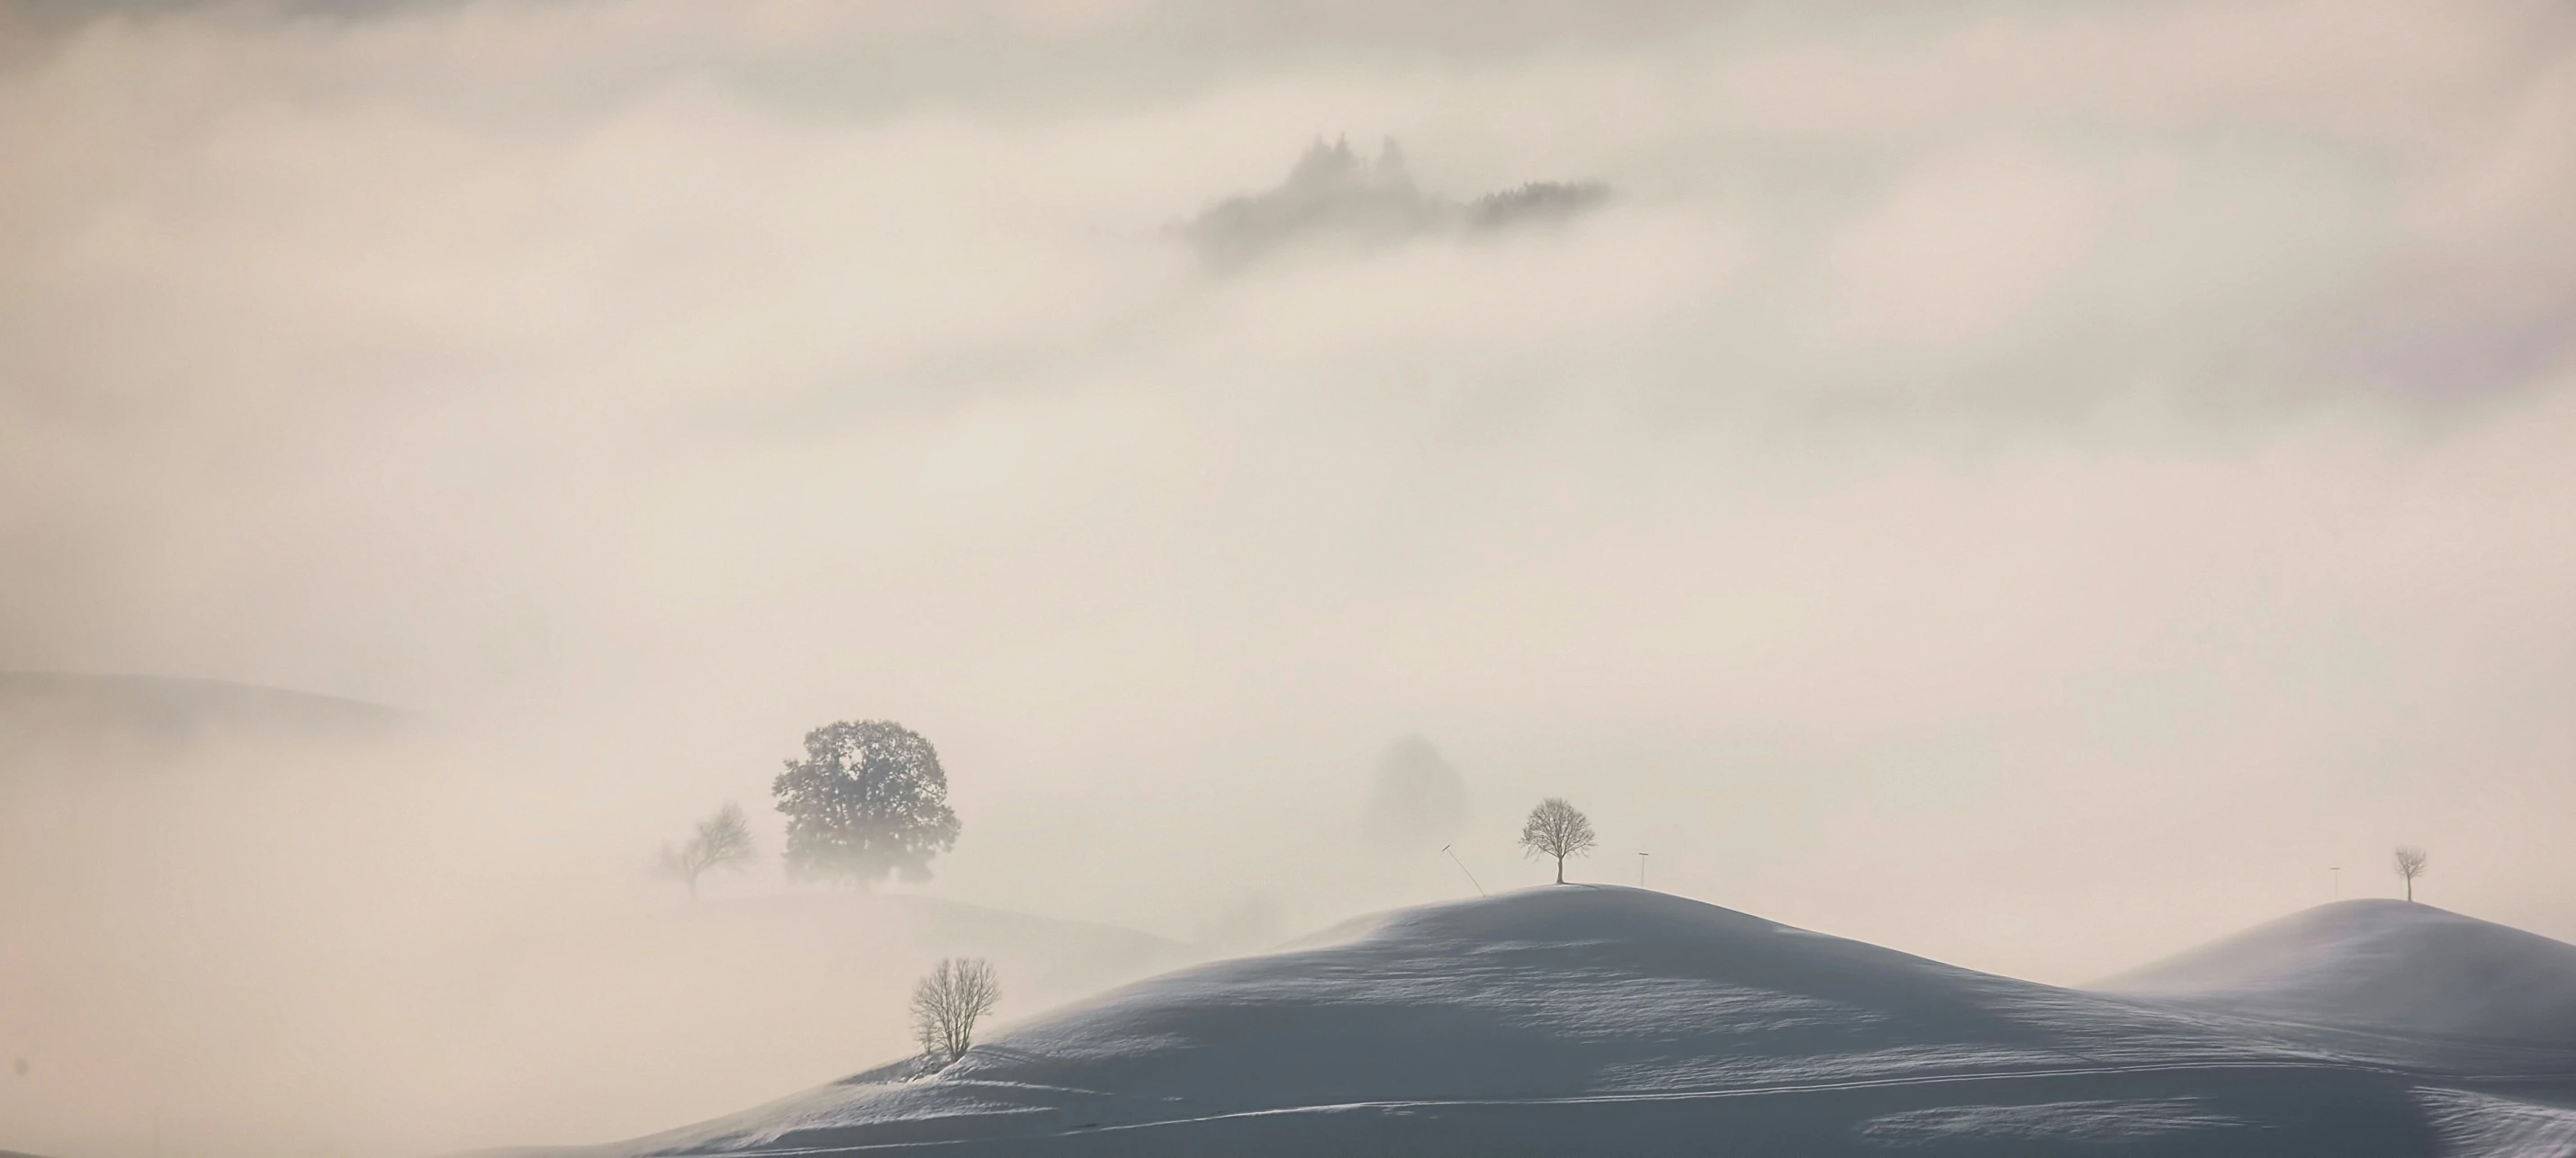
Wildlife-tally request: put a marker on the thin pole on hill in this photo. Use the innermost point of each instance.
(1462, 867)
(1641, 870)
(2338, 881)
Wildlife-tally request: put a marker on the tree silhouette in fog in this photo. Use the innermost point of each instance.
(868, 800)
(2410, 865)
(1558, 829)
(722, 841)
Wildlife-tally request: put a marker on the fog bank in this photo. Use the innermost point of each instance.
(2033, 486)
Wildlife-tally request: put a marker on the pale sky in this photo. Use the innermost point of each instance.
(2030, 485)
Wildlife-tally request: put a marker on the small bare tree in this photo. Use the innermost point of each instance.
(1556, 828)
(946, 1005)
(2410, 865)
(722, 841)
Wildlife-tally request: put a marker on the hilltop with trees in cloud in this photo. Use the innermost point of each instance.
(1334, 197)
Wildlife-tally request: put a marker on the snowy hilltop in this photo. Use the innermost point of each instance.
(1599, 1020)
(2380, 964)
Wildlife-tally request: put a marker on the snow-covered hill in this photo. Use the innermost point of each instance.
(2380, 964)
(1615, 1021)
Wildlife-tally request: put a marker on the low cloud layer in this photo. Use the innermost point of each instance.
(2031, 486)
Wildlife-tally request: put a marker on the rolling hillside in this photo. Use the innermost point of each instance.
(1616, 1021)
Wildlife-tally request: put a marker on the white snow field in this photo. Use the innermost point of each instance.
(1612, 1021)
(2384, 965)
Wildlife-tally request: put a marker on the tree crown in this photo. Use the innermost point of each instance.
(1556, 828)
(869, 799)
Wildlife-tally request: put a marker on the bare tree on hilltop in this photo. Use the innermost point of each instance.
(1556, 828)
(868, 800)
(722, 841)
(2410, 865)
(948, 1003)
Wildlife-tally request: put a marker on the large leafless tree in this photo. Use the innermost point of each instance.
(2410, 865)
(948, 1003)
(1558, 829)
(722, 841)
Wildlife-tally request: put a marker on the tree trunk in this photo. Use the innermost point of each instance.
(2410, 890)
(1560, 870)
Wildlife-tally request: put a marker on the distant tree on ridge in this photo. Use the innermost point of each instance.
(948, 1003)
(1556, 828)
(868, 800)
(722, 841)
(2410, 865)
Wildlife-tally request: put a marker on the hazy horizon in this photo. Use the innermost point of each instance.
(2033, 486)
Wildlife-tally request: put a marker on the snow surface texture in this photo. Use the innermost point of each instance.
(2380, 964)
(2102, 1122)
(2484, 1126)
(1592, 1020)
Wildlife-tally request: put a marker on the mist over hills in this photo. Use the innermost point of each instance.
(2005, 482)
(59, 707)
(273, 921)
(412, 1029)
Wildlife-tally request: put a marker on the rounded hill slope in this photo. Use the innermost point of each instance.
(2379, 964)
(1581, 1019)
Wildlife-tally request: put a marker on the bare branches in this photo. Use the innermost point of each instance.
(1556, 829)
(2410, 862)
(722, 841)
(946, 1005)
